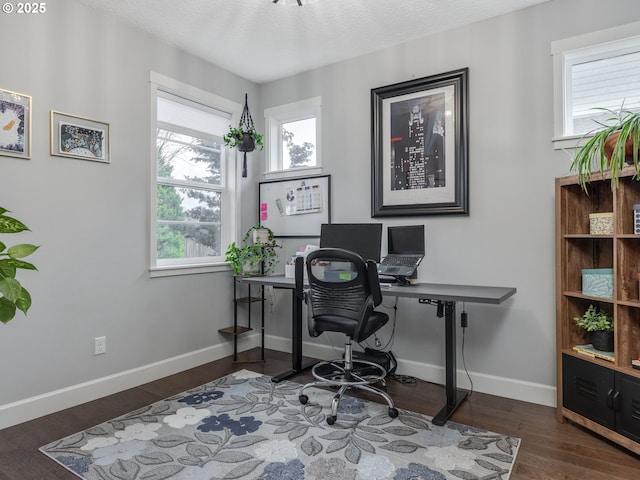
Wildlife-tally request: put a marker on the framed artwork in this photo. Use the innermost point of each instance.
(77, 137)
(419, 135)
(15, 124)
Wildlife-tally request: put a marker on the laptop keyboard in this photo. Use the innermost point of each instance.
(401, 260)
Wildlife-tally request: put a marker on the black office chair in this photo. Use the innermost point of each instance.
(341, 297)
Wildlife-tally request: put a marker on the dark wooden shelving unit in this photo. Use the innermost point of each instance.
(600, 395)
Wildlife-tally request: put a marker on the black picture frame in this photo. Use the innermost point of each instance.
(419, 146)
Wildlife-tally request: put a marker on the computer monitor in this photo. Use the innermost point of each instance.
(407, 239)
(365, 239)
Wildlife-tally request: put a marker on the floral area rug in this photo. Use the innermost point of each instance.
(244, 426)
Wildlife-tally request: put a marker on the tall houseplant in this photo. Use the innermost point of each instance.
(257, 253)
(615, 143)
(13, 296)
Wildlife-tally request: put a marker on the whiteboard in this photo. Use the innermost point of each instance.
(295, 207)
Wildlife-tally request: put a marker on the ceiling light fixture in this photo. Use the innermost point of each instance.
(288, 2)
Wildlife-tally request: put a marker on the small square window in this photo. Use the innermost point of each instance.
(293, 136)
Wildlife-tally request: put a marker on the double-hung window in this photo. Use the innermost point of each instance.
(595, 76)
(193, 199)
(294, 136)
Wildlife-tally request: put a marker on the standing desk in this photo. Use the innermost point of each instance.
(446, 297)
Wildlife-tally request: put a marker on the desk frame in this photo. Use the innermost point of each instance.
(443, 294)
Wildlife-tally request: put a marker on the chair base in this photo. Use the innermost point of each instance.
(345, 376)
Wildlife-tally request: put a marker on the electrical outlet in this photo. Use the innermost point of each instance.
(99, 345)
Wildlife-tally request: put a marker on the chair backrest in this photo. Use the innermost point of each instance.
(341, 285)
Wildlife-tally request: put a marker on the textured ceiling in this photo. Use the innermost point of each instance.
(263, 41)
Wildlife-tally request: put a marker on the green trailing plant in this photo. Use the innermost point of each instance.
(253, 257)
(13, 296)
(234, 136)
(595, 320)
(615, 142)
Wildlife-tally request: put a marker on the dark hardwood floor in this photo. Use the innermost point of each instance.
(549, 450)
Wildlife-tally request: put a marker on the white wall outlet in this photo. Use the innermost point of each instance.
(99, 345)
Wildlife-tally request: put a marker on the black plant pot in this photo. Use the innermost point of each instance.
(602, 341)
(247, 144)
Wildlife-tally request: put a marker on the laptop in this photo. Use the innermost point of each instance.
(406, 251)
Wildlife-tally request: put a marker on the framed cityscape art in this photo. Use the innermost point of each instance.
(77, 137)
(419, 162)
(15, 124)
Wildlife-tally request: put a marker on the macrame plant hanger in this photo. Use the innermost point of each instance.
(247, 127)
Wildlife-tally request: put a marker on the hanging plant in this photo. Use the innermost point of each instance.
(244, 138)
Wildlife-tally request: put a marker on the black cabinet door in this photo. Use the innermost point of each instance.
(588, 390)
(627, 405)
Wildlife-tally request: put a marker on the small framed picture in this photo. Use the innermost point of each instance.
(15, 124)
(78, 137)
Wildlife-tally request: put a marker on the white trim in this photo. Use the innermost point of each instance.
(50, 402)
(273, 119)
(231, 200)
(563, 47)
(489, 384)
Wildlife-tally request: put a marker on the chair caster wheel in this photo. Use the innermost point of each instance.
(393, 412)
(331, 419)
(303, 399)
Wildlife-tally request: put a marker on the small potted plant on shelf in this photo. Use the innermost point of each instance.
(13, 296)
(600, 325)
(613, 145)
(256, 255)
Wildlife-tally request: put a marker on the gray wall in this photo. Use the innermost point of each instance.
(91, 219)
(508, 238)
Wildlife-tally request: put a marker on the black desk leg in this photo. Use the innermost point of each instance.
(296, 330)
(454, 396)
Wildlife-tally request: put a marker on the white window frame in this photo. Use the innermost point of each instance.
(231, 206)
(274, 117)
(571, 50)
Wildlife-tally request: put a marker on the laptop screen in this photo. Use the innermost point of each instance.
(406, 239)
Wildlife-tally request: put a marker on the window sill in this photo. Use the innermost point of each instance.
(293, 172)
(569, 143)
(173, 270)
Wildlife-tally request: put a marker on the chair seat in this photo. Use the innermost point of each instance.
(337, 323)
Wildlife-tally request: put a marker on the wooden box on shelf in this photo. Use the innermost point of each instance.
(596, 393)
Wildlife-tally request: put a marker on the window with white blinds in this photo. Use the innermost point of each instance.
(595, 76)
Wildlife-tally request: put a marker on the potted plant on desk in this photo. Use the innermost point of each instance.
(256, 255)
(600, 324)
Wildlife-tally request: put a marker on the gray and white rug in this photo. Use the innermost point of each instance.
(244, 426)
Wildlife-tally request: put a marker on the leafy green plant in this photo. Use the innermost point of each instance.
(595, 320)
(13, 296)
(233, 138)
(253, 258)
(616, 140)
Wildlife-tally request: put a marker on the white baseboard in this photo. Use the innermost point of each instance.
(50, 402)
(490, 384)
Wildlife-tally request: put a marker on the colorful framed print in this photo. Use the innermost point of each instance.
(15, 124)
(419, 148)
(78, 137)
